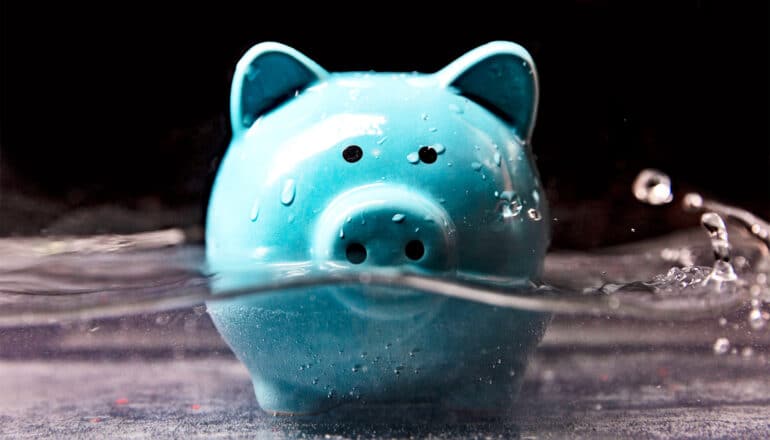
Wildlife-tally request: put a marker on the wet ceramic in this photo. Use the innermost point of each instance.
(429, 173)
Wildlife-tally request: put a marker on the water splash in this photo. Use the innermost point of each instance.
(722, 271)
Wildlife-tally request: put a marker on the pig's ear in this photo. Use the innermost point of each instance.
(266, 76)
(501, 77)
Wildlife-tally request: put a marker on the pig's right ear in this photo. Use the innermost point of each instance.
(266, 76)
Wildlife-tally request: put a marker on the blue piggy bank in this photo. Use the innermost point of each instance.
(425, 173)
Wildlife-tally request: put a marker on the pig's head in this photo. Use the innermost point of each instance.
(431, 172)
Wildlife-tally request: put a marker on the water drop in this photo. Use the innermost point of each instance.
(476, 166)
(756, 319)
(692, 202)
(534, 214)
(433, 129)
(288, 192)
(512, 206)
(342, 233)
(254, 213)
(439, 148)
(382, 140)
(652, 187)
(721, 346)
(497, 158)
(747, 352)
(398, 218)
(455, 108)
(424, 116)
(315, 381)
(162, 319)
(413, 157)
(355, 368)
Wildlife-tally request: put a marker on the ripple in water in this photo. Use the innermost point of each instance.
(44, 280)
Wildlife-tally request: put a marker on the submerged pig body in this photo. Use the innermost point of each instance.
(425, 173)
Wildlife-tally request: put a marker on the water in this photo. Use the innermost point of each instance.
(110, 335)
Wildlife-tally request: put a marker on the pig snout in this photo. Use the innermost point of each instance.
(386, 225)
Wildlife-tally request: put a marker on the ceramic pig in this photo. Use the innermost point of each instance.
(425, 173)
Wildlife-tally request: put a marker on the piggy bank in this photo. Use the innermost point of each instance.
(416, 173)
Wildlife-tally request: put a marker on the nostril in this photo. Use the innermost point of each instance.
(414, 250)
(428, 154)
(356, 253)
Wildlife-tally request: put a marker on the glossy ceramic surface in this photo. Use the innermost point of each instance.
(429, 173)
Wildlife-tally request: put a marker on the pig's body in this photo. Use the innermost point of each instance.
(420, 172)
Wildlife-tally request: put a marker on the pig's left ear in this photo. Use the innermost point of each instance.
(266, 76)
(501, 77)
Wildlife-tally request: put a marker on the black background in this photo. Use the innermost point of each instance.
(113, 117)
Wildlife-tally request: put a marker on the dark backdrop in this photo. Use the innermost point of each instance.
(113, 118)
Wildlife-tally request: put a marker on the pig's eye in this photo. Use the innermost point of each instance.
(427, 154)
(352, 153)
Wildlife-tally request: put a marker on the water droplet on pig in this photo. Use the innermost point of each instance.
(424, 116)
(439, 148)
(413, 157)
(534, 214)
(398, 218)
(497, 158)
(355, 368)
(254, 213)
(382, 140)
(721, 346)
(433, 129)
(652, 187)
(342, 233)
(288, 192)
(476, 166)
(455, 108)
